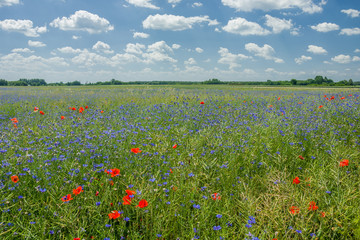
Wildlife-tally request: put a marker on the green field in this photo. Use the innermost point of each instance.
(213, 162)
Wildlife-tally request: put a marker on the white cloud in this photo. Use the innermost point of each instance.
(36, 44)
(143, 3)
(158, 52)
(351, 12)
(230, 59)
(265, 52)
(102, 47)
(69, 50)
(326, 27)
(174, 2)
(134, 48)
(190, 61)
(278, 25)
(350, 31)
(140, 35)
(243, 27)
(174, 23)
(75, 37)
(175, 46)
(341, 59)
(22, 26)
(357, 50)
(8, 2)
(302, 59)
(356, 59)
(89, 59)
(197, 4)
(21, 50)
(316, 49)
(124, 59)
(83, 21)
(307, 6)
(199, 50)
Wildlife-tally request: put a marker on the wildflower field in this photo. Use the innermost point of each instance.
(147, 162)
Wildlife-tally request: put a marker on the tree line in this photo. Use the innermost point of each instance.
(317, 81)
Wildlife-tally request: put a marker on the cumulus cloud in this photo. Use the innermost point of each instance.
(356, 59)
(175, 46)
(325, 27)
(342, 58)
(307, 6)
(230, 59)
(102, 47)
(21, 50)
(68, 50)
(143, 3)
(89, 59)
(22, 26)
(190, 61)
(199, 50)
(8, 2)
(243, 27)
(174, 2)
(316, 49)
(158, 52)
(140, 35)
(265, 52)
(351, 12)
(134, 48)
(302, 59)
(174, 23)
(278, 25)
(83, 21)
(36, 44)
(357, 50)
(197, 4)
(350, 31)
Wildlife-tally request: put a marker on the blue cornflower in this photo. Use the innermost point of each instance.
(197, 206)
(107, 225)
(218, 215)
(329, 192)
(216, 228)
(127, 219)
(312, 235)
(158, 235)
(298, 231)
(98, 203)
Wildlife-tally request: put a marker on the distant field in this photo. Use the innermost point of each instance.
(179, 162)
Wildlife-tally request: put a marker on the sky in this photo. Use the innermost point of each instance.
(179, 40)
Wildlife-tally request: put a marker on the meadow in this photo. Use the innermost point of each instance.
(166, 162)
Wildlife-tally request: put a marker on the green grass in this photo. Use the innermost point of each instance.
(243, 144)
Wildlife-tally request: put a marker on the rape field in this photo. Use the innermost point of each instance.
(145, 162)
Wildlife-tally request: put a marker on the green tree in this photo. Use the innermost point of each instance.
(293, 81)
(3, 82)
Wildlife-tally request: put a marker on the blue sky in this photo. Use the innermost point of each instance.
(179, 40)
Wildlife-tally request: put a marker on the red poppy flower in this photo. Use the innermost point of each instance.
(320, 106)
(78, 190)
(15, 178)
(344, 162)
(86, 107)
(77, 238)
(279, 98)
(296, 180)
(73, 109)
(66, 198)
(294, 210)
(170, 170)
(111, 182)
(136, 150)
(41, 112)
(127, 200)
(81, 109)
(342, 98)
(115, 172)
(97, 193)
(322, 214)
(215, 196)
(202, 103)
(62, 117)
(175, 146)
(312, 206)
(332, 97)
(130, 192)
(114, 215)
(143, 203)
(301, 157)
(270, 106)
(102, 111)
(36, 109)
(14, 120)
